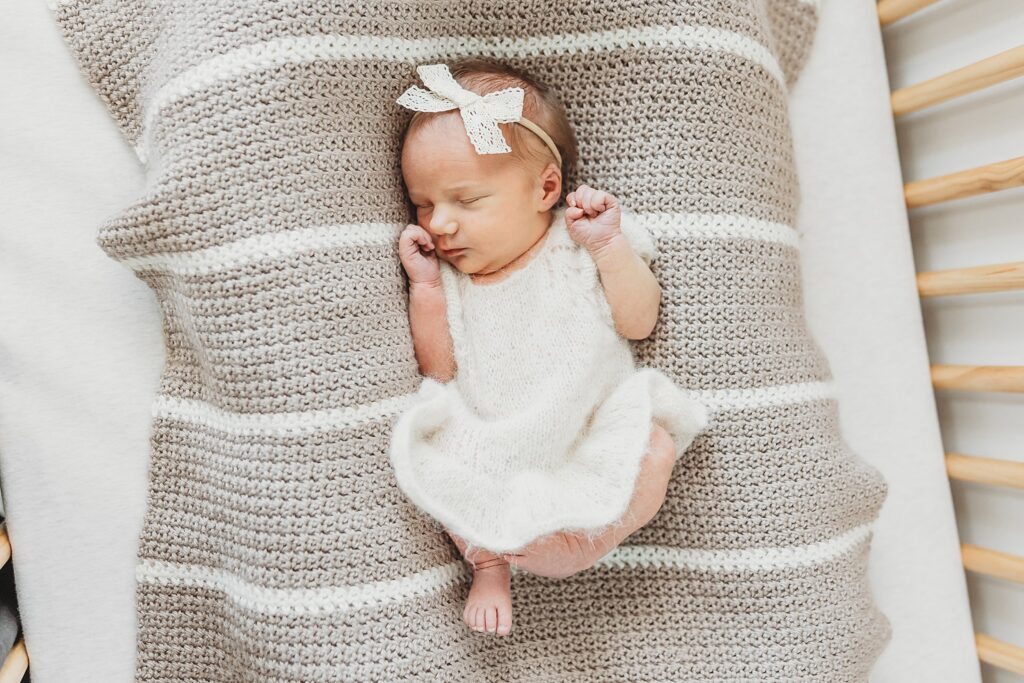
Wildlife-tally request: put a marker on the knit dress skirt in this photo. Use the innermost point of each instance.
(546, 422)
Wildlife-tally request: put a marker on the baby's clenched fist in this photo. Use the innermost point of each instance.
(593, 217)
(418, 256)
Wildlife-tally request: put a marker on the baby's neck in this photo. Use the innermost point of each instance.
(513, 265)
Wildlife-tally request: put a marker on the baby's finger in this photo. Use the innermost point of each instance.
(587, 201)
(601, 201)
(580, 196)
(573, 213)
(423, 237)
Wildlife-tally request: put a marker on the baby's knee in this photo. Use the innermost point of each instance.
(655, 473)
(662, 450)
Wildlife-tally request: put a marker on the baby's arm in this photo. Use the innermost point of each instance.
(593, 218)
(633, 292)
(430, 335)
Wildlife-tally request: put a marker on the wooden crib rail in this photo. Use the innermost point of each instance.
(998, 277)
(994, 472)
(997, 653)
(1003, 566)
(994, 277)
(978, 377)
(985, 560)
(981, 470)
(993, 563)
(891, 10)
(1001, 175)
(16, 662)
(982, 74)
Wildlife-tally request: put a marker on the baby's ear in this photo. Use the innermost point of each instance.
(633, 227)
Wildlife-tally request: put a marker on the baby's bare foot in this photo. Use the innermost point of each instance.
(489, 606)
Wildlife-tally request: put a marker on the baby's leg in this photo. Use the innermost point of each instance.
(489, 606)
(652, 483)
(648, 492)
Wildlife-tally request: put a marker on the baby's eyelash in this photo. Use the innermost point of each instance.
(461, 201)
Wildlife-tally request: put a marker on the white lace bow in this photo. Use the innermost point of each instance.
(481, 114)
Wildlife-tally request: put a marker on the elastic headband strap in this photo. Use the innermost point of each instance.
(481, 114)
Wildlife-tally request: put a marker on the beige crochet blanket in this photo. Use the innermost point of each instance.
(276, 545)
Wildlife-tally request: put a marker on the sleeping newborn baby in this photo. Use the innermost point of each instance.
(532, 417)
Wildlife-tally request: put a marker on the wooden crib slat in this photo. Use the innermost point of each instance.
(5, 546)
(891, 10)
(15, 664)
(982, 74)
(993, 563)
(982, 470)
(993, 277)
(1000, 175)
(992, 177)
(998, 653)
(978, 377)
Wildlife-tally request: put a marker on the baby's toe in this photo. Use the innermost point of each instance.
(469, 616)
(474, 618)
(480, 619)
(504, 622)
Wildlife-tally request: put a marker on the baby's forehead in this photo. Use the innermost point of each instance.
(440, 185)
(444, 135)
(447, 170)
(439, 126)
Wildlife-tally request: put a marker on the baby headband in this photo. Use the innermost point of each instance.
(480, 113)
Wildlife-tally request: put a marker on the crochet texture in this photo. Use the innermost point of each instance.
(276, 544)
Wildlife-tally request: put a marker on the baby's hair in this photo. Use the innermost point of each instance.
(541, 105)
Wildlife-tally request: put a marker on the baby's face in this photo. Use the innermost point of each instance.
(488, 206)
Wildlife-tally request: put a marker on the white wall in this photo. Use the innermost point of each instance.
(985, 329)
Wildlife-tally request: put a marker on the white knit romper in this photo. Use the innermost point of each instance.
(546, 422)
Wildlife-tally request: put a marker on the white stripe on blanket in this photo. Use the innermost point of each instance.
(317, 238)
(199, 412)
(314, 601)
(299, 49)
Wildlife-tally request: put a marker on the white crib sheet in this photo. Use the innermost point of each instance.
(863, 310)
(81, 351)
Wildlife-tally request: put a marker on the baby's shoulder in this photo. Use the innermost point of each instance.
(563, 250)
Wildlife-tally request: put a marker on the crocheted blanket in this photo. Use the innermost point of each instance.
(276, 545)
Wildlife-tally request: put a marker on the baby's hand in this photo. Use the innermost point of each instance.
(416, 251)
(593, 217)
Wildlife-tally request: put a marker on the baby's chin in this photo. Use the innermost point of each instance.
(464, 269)
(468, 264)
(464, 264)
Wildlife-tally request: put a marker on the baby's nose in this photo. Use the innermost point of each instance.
(443, 227)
